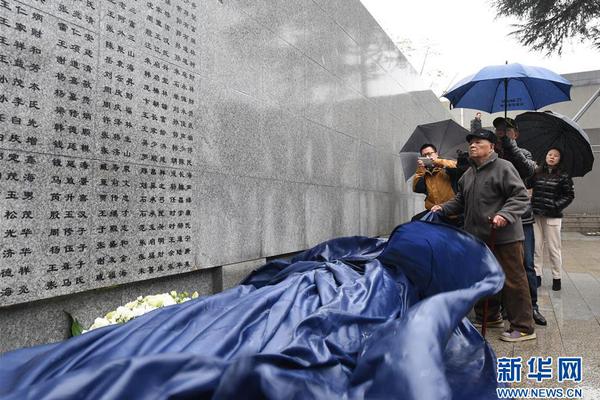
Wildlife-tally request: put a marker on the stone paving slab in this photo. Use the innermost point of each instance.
(573, 316)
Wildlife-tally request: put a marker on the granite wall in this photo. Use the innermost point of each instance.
(157, 144)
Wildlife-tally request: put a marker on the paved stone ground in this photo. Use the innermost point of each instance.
(573, 316)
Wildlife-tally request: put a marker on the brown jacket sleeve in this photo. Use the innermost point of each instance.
(440, 162)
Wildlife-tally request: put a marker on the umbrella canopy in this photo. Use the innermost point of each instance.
(509, 87)
(409, 164)
(447, 136)
(539, 131)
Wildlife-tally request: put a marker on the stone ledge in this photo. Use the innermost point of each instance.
(44, 321)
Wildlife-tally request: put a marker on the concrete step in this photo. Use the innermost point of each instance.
(581, 223)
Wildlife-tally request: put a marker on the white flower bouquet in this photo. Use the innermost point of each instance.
(139, 306)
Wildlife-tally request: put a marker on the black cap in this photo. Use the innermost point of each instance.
(482, 134)
(505, 123)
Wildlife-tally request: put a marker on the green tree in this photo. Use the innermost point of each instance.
(547, 23)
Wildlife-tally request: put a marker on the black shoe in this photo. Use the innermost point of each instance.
(555, 284)
(539, 280)
(539, 318)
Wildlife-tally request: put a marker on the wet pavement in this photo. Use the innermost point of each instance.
(573, 316)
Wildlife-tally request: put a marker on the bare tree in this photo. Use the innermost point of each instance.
(547, 23)
(421, 56)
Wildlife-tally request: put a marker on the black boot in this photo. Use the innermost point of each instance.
(555, 284)
(538, 317)
(539, 280)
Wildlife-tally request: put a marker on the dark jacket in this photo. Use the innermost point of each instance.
(475, 124)
(522, 160)
(492, 188)
(552, 192)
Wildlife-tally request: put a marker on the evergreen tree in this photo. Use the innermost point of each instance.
(547, 23)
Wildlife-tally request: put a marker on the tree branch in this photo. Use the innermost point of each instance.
(547, 23)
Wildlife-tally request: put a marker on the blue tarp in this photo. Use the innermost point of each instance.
(350, 318)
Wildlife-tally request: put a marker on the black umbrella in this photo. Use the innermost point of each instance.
(447, 136)
(540, 131)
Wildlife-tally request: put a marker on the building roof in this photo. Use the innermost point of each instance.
(584, 78)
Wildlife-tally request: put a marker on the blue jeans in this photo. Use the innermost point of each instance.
(529, 248)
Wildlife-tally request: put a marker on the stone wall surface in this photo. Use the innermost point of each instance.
(145, 139)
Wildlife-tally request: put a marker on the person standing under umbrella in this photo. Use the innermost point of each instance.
(552, 193)
(507, 132)
(432, 179)
(491, 191)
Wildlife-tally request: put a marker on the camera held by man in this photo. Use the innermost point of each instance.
(433, 178)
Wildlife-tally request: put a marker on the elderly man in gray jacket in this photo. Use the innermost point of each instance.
(491, 192)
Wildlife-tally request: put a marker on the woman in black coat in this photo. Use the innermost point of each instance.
(552, 193)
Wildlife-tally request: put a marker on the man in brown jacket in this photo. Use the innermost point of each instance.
(432, 179)
(491, 191)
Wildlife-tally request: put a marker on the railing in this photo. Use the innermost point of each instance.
(587, 105)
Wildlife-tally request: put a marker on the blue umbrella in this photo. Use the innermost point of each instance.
(509, 87)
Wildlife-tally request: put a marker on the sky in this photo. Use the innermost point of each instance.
(464, 36)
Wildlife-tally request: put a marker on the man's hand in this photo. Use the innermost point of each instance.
(420, 164)
(436, 208)
(498, 221)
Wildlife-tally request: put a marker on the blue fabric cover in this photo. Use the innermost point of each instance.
(353, 317)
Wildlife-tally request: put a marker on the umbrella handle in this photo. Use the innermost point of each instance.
(492, 240)
(505, 95)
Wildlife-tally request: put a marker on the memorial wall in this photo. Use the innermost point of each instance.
(145, 139)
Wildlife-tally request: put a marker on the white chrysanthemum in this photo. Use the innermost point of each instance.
(123, 314)
(141, 306)
(154, 300)
(168, 300)
(159, 300)
(142, 309)
(132, 304)
(111, 317)
(99, 323)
